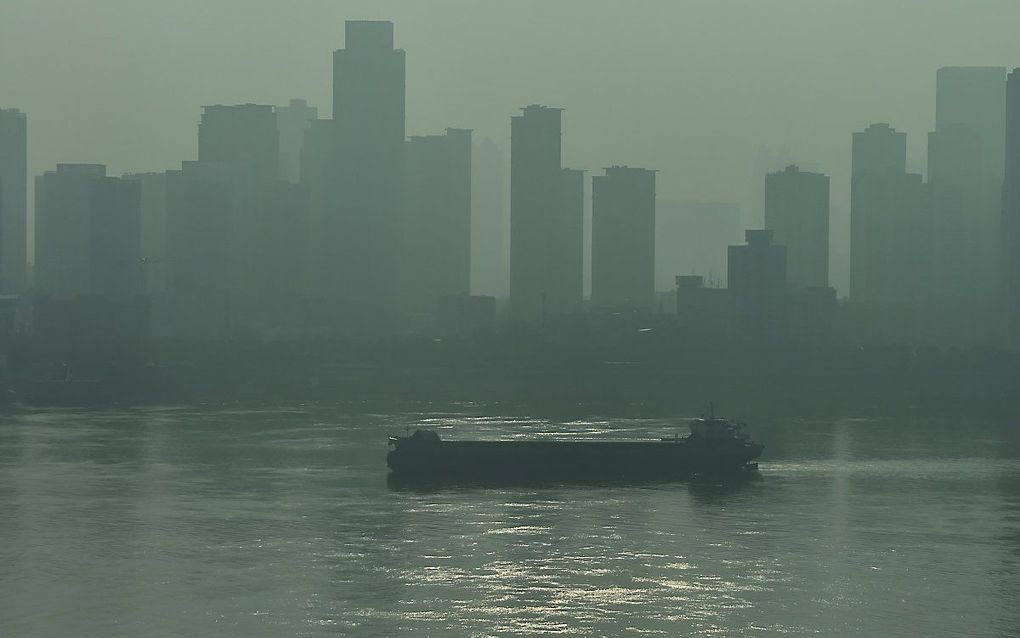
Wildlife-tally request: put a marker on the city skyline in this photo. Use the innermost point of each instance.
(704, 152)
(351, 226)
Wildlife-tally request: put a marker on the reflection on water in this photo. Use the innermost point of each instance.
(265, 523)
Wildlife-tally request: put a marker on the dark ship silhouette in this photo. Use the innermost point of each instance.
(715, 446)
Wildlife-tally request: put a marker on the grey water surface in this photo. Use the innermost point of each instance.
(230, 522)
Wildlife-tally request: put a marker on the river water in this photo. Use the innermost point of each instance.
(225, 522)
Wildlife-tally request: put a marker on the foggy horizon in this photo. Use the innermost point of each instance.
(695, 90)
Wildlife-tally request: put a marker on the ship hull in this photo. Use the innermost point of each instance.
(567, 460)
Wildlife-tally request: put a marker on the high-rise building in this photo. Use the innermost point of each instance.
(366, 201)
(281, 240)
(199, 265)
(797, 212)
(546, 219)
(758, 287)
(62, 232)
(153, 229)
(88, 230)
(766, 160)
(316, 178)
(437, 225)
(889, 234)
(490, 224)
(566, 270)
(243, 135)
(292, 121)
(116, 266)
(267, 218)
(974, 97)
(965, 169)
(1011, 212)
(623, 238)
(13, 201)
(964, 244)
(242, 143)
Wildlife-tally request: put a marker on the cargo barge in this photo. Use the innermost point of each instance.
(714, 446)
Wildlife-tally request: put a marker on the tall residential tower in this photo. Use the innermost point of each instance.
(623, 238)
(888, 234)
(1011, 212)
(546, 219)
(797, 211)
(965, 169)
(13, 201)
(363, 217)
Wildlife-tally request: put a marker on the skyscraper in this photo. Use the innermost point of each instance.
(1011, 212)
(280, 264)
(153, 229)
(888, 233)
(965, 169)
(87, 233)
(437, 226)
(366, 202)
(756, 279)
(316, 178)
(878, 166)
(13, 200)
(964, 243)
(623, 238)
(114, 250)
(544, 234)
(974, 97)
(490, 225)
(199, 264)
(244, 135)
(797, 211)
(292, 121)
(62, 209)
(566, 284)
(244, 142)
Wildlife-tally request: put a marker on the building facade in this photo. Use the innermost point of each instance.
(889, 237)
(363, 217)
(965, 172)
(291, 122)
(623, 239)
(437, 223)
(13, 201)
(88, 234)
(244, 135)
(546, 219)
(758, 288)
(1010, 296)
(797, 212)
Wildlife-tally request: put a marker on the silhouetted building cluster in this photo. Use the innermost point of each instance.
(927, 262)
(293, 226)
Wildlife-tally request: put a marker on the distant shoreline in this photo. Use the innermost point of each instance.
(661, 380)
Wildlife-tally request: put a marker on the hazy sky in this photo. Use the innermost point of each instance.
(692, 88)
